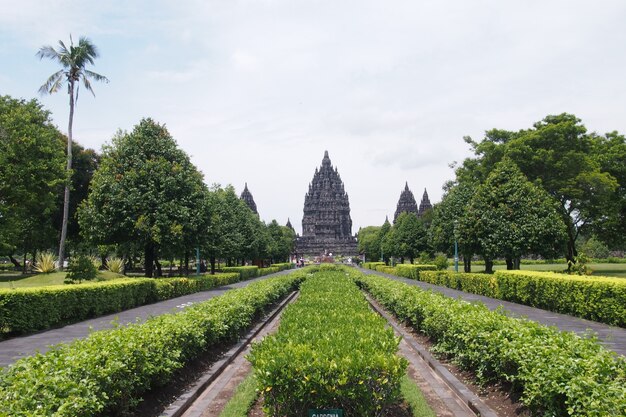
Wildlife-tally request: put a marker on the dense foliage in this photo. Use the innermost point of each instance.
(556, 373)
(331, 351)
(582, 173)
(31, 170)
(106, 373)
(146, 191)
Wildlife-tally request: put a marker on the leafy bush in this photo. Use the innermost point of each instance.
(283, 266)
(579, 266)
(106, 373)
(372, 265)
(45, 263)
(595, 248)
(330, 350)
(557, 373)
(116, 265)
(245, 272)
(411, 271)
(441, 262)
(82, 268)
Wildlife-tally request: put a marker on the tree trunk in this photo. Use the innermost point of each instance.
(187, 263)
(516, 263)
(509, 264)
(212, 261)
(24, 264)
(571, 246)
(467, 264)
(68, 180)
(159, 271)
(488, 266)
(15, 262)
(148, 259)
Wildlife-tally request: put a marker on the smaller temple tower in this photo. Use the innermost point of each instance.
(246, 196)
(424, 204)
(289, 225)
(406, 203)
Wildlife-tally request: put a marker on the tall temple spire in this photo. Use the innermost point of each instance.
(326, 224)
(247, 198)
(424, 204)
(406, 203)
(289, 224)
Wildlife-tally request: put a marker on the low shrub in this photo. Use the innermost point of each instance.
(556, 373)
(441, 262)
(372, 265)
(116, 265)
(82, 268)
(24, 310)
(45, 263)
(245, 272)
(106, 373)
(268, 270)
(330, 350)
(283, 266)
(482, 284)
(412, 271)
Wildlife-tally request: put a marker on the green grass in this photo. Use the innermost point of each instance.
(244, 397)
(17, 280)
(609, 270)
(414, 397)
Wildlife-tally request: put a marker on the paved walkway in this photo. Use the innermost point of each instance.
(613, 338)
(19, 347)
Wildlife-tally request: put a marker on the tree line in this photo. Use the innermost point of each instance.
(534, 192)
(142, 198)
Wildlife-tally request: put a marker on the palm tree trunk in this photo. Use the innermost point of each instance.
(68, 169)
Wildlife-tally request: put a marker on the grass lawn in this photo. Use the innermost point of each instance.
(17, 280)
(609, 270)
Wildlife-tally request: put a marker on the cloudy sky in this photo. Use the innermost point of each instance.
(255, 90)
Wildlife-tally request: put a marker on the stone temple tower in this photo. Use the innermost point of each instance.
(406, 203)
(425, 204)
(246, 196)
(326, 224)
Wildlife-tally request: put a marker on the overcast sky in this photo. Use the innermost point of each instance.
(255, 91)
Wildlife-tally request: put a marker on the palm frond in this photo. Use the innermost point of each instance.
(53, 83)
(96, 76)
(47, 52)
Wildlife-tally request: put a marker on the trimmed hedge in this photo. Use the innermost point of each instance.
(601, 299)
(557, 373)
(596, 298)
(246, 272)
(372, 265)
(106, 373)
(24, 310)
(283, 266)
(412, 271)
(331, 351)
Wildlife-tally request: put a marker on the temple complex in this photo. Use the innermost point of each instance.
(407, 203)
(247, 198)
(326, 224)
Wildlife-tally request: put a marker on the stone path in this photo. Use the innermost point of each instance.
(613, 338)
(19, 347)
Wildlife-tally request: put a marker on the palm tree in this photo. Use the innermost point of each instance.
(73, 61)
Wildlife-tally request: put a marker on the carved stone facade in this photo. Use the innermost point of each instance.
(246, 196)
(407, 203)
(425, 204)
(326, 225)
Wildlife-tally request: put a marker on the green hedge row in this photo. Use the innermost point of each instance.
(331, 351)
(601, 299)
(412, 271)
(106, 373)
(556, 373)
(248, 272)
(24, 310)
(371, 265)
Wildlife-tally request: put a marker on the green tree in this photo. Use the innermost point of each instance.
(447, 223)
(31, 169)
(407, 238)
(368, 240)
(73, 61)
(384, 231)
(610, 152)
(281, 240)
(146, 192)
(84, 164)
(512, 217)
(557, 153)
